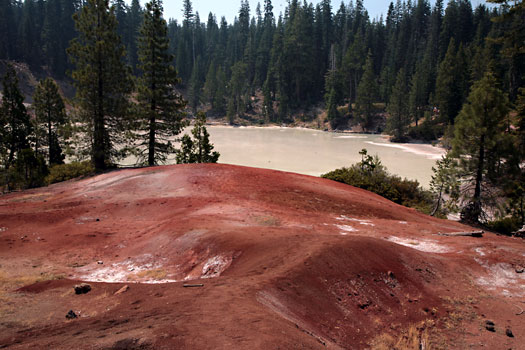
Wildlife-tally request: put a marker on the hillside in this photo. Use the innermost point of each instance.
(286, 261)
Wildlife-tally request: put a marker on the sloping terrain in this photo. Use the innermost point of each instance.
(273, 260)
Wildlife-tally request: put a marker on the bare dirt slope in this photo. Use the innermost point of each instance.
(286, 261)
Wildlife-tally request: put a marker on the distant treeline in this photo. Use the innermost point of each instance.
(310, 54)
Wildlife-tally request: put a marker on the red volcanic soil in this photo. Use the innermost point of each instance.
(285, 261)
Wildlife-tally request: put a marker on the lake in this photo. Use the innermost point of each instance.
(314, 152)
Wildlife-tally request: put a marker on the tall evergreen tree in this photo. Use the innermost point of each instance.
(478, 133)
(448, 89)
(135, 17)
(15, 126)
(101, 78)
(398, 109)
(199, 149)
(367, 92)
(512, 38)
(7, 28)
(50, 115)
(160, 105)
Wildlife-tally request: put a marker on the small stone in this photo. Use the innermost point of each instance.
(490, 326)
(391, 274)
(71, 315)
(98, 220)
(520, 269)
(82, 288)
(122, 290)
(100, 262)
(508, 332)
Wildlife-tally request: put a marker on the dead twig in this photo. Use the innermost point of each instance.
(521, 310)
(462, 234)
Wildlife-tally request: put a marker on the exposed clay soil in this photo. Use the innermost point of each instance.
(286, 262)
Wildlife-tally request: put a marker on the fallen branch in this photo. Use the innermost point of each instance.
(193, 285)
(521, 310)
(462, 234)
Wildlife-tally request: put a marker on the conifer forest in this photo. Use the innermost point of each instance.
(444, 71)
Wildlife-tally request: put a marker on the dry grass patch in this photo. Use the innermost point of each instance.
(416, 337)
(10, 282)
(157, 275)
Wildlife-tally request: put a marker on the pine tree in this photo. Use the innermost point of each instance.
(398, 109)
(220, 94)
(420, 89)
(367, 92)
(445, 185)
(448, 92)
(159, 104)
(238, 88)
(101, 78)
(50, 115)
(15, 126)
(479, 129)
(28, 35)
(194, 90)
(135, 17)
(199, 149)
(332, 114)
(7, 28)
(512, 39)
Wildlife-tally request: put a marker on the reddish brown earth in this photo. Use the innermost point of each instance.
(286, 262)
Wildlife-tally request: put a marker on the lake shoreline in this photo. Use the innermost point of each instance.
(413, 147)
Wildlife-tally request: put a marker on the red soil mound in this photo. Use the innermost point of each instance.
(285, 261)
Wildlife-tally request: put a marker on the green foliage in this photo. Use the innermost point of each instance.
(50, 116)
(366, 96)
(371, 175)
(28, 171)
(102, 80)
(479, 135)
(64, 172)
(238, 88)
(15, 126)
(429, 130)
(445, 185)
(398, 110)
(160, 106)
(199, 149)
(505, 226)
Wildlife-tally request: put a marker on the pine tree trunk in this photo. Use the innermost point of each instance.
(152, 128)
(49, 134)
(151, 143)
(479, 177)
(99, 149)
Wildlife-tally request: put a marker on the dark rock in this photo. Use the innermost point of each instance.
(520, 269)
(71, 315)
(131, 344)
(508, 332)
(490, 326)
(82, 288)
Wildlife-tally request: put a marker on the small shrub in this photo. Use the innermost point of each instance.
(505, 226)
(64, 172)
(371, 175)
(28, 171)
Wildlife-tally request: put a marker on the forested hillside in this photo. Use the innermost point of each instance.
(309, 55)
